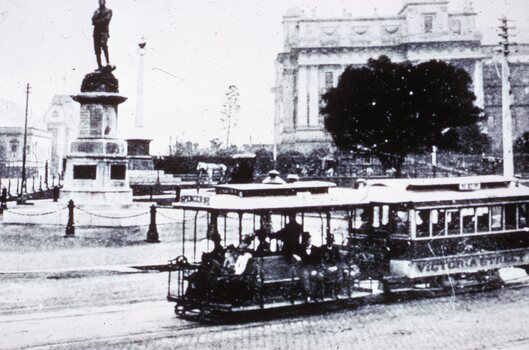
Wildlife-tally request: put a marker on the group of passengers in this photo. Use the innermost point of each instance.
(317, 266)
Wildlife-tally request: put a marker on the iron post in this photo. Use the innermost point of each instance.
(152, 234)
(70, 226)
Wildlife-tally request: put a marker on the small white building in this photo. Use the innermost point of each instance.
(39, 144)
(62, 120)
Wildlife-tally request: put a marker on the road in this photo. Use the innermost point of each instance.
(129, 311)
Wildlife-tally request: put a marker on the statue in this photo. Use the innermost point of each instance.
(100, 21)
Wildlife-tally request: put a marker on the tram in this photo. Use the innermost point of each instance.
(277, 248)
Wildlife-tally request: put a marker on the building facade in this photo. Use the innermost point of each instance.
(317, 50)
(38, 143)
(62, 121)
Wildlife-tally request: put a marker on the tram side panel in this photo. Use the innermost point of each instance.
(459, 240)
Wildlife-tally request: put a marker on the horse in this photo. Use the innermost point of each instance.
(209, 168)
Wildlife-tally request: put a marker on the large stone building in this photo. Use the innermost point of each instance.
(62, 120)
(38, 143)
(317, 50)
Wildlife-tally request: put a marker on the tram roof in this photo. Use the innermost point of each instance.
(445, 190)
(418, 192)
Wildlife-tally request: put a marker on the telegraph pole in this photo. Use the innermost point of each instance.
(508, 162)
(23, 186)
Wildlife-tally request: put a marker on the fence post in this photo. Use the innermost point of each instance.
(152, 234)
(56, 192)
(46, 175)
(9, 187)
(70, 226)
(3, 200)
(177, 190)
(151, 190)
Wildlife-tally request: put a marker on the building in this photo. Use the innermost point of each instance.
(317, 50)
(38, 149)
(62, 120)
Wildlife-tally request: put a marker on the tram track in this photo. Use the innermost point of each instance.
(150, 319)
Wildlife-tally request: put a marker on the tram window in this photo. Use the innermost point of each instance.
(482, 215)
(376, 216)
(468, 218)
(522, 216)
(437, 217)
(496, 218)
(510, 217)
(385, 215)
(452, 220)
(422, 221)
(400, 221)
(361, 219)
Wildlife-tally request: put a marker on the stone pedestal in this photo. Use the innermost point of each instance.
(138, 154)
(96, 166)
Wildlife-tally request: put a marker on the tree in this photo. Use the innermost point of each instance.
(396, 109)
(229, 111)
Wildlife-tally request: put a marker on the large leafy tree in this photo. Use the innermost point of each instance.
(396, 109)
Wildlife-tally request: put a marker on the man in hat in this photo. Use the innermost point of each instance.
(289, 235)
(309, 257)
(330, 266)
(273, 178)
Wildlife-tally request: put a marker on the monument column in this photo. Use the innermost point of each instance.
(138, 152)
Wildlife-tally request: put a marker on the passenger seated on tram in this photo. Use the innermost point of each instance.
(309, 256)
(230, 257)
(211, 266)
(243, 262)
(263, 248)
(289, 235)
(214, 259)
(331, 261)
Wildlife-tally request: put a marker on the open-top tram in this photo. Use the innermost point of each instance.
(310, 244)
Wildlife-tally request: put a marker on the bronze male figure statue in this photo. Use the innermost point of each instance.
(100, 21)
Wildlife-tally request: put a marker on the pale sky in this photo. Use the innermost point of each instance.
(204, 45)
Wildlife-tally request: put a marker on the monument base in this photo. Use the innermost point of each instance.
(140, 163)
(99, 197)
(96, 180)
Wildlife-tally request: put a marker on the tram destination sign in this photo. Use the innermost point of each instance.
(194, 199)
(459, 263)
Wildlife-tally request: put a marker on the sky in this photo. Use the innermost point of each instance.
(196, 49)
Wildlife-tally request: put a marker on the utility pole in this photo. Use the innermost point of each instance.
(508, 161)
(23, 187)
